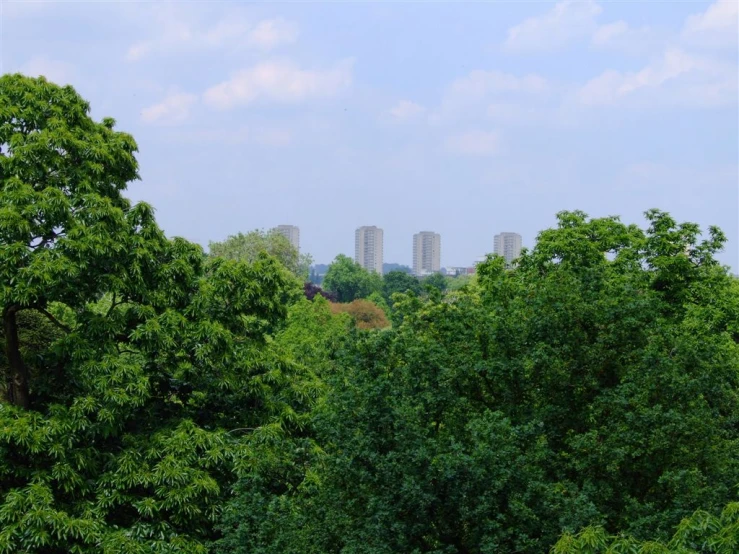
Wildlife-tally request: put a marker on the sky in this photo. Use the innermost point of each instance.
(467, 119)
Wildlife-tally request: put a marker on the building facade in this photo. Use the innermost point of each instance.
(368, 248)
(291, 233)
(508, 245)
(426, 253)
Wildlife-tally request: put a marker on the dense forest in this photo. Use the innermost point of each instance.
(160, 399)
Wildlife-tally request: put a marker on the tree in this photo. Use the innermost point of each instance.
(366, 314)
(379, 300)
(437, 281)
(127, 429)
(460, 281)
(399, 281)
(65, 229)
(616, 339)
(349, 280)
(247, 247)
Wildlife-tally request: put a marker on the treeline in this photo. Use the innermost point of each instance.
(365, 295)
(158, 399)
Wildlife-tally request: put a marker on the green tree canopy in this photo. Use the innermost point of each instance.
(595, 384)
(399, 281)
(349, 280)
(701, 533)
(437, 281)
(247, 247)
(125, 433)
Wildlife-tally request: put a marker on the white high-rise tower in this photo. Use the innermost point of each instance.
(368, 248)
(508, 245)
(426, 253)
(291, 233)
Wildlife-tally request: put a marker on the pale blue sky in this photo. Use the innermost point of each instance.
(464, 119)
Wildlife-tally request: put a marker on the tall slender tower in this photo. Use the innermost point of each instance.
(426, 253)
(291, 233)
(508, 245)
(368, 248)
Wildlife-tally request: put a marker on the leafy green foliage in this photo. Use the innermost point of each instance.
(400, 282)
(437, 281)
(124, 428)
(630, 368)
(699, 533)
(247, 248)
(595, 384)
(460, 281)
(349, 280)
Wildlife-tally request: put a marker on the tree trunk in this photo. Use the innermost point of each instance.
(17, 386)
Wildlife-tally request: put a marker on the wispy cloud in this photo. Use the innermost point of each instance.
(178, 34)
(566, 21)
(406, 110)
(269, 34)
(692, 80)
(717, 26)
(621, 36)
(175, 108)
(279, 81)
(471, 95)
(573, 21)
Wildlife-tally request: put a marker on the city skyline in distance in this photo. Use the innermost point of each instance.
(369, 245)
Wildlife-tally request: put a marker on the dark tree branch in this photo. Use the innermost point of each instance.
(17, 385)
(112, 306)
(54, 320)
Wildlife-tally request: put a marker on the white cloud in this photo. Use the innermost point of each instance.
(470, 96)
(717, 26)
(721, 15)
(608, 33)
(55, 71)
(178, 34)
(173, 109)
(405, 110)
(278, 81)
(567, 21)
(693, 81)
(474, 143)
(621, 36)
(271, 33)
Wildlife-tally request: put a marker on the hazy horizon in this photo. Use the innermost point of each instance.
(466, 120)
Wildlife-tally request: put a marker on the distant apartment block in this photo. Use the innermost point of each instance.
(291, 233)
(368, 248)
(426, 253)
(508, 245)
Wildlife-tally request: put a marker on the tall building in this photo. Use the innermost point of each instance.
(426, 253)
(291, 233)
(368, 248)
(508, 245)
